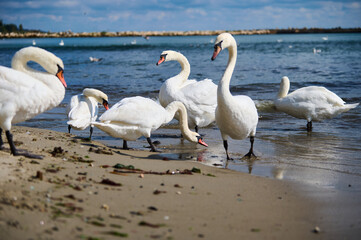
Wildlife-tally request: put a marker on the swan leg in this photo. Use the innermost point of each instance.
(91, 132)
(250, 153)
(125, 145)
(225, 145)
(309, 126)
(16, 152)
(151, 145)
(1, 139)
(69, 128)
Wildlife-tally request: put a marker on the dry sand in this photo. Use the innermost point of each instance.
(75, 195)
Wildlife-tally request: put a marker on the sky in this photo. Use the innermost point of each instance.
(179, 15)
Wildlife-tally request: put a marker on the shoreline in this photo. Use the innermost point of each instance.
(70, 34)
(74, 193)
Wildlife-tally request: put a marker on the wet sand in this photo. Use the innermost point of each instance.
(76, 193)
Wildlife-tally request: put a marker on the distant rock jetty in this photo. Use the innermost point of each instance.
(70, 34)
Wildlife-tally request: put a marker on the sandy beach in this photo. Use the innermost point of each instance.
(86, 190)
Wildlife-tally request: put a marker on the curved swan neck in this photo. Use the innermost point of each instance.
(47, 60)
(22, 57)
(177, 106)
(284, 87)
(186, 68)
(223, 87)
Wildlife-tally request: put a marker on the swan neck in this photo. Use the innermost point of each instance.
(284, 88)
(21, 59)
(177, 106)
(223, 87)
(186, 68)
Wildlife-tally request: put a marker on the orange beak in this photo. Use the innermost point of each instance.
(201, 142)
(162, 59)
(60, 75)
(105, 104)
(217, 50)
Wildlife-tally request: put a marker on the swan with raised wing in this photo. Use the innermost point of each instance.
(199, 97)
(83, 109)
(25, 92)
(312, 103)
(236, 116)
(134, 117)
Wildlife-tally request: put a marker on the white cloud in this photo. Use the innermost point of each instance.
(116, 16)
(195, 11)
(353, 5)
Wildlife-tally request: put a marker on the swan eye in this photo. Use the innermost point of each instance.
(60, 69)
(218, 45)
(163, 56)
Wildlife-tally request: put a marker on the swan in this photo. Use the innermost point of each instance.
(199, 97)
(134, 117)
(312, 103)
(83, 109)
(93, 59)
(25, 92)
(236, 116)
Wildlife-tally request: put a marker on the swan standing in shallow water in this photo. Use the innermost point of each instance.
(236, 116)
(83, 109)
(199, 97)
(311, 103)
(134, 117)
(25, 92)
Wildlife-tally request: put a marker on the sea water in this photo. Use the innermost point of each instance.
(329, 156)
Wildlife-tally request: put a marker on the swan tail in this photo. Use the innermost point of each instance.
(351, 106)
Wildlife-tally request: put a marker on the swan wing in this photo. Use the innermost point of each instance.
(319, 96)
(13, 82)
(80, 112)
(200, 93)
(238, 118)
(27, 96)
(74, 102)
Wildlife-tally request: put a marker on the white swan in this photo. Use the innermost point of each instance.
(311, 103)
(199, 97)
(83, 109)
(25, 92)
(236, 116)
(134, 117)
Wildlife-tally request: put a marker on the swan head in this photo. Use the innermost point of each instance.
(223, 41)
(168, 55)
(53, 65)
(98, 95)
(196, 138)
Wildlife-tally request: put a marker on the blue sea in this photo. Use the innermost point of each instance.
(329, 156)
